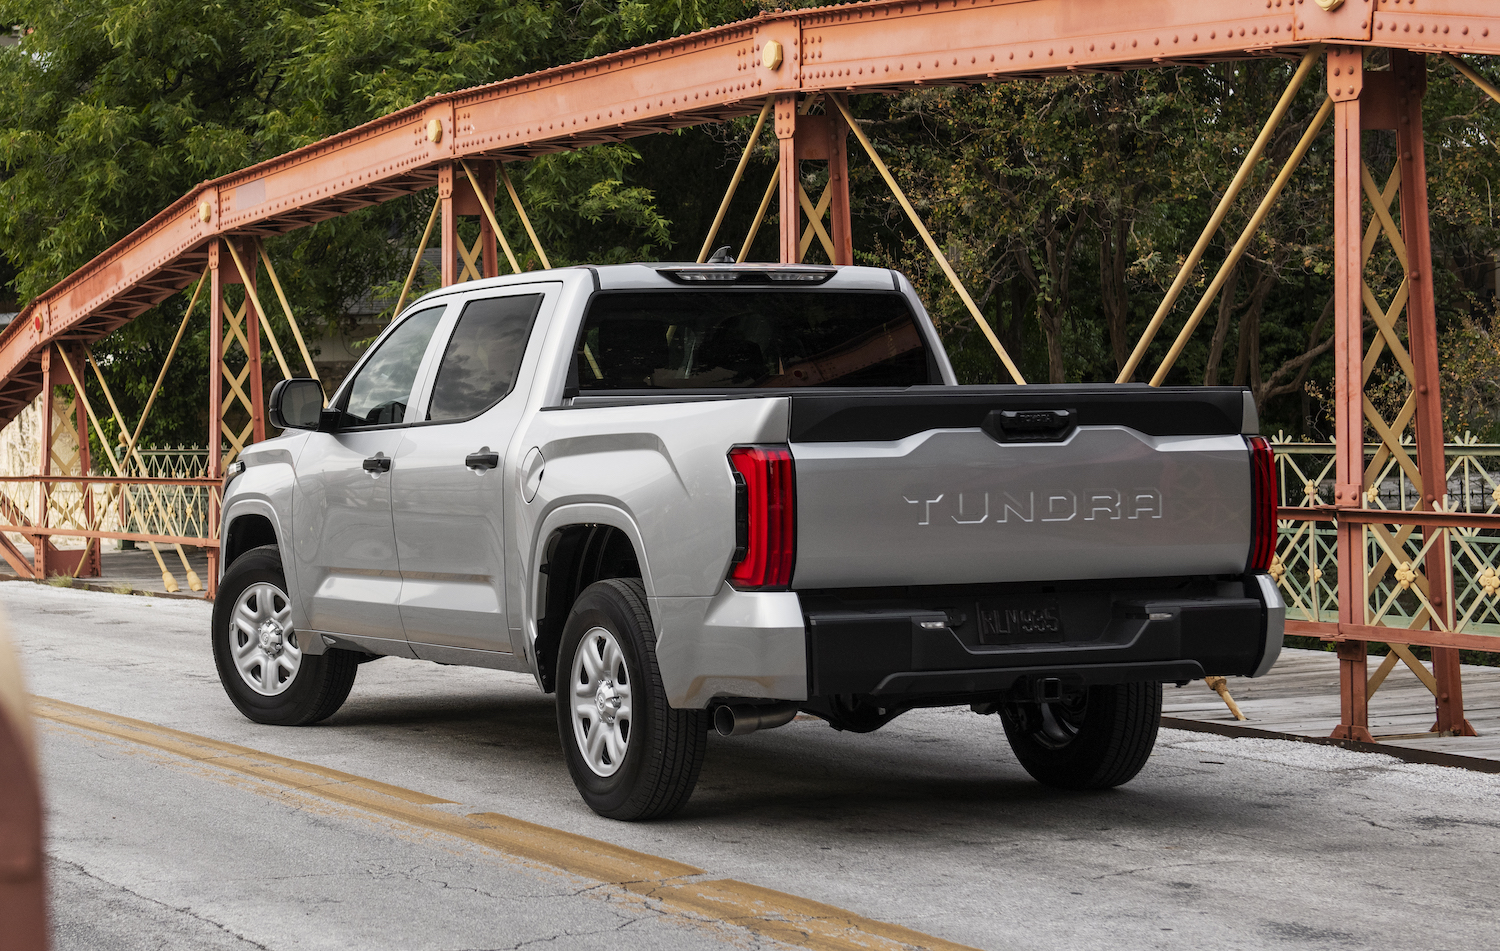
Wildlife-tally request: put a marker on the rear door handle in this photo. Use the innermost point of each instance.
(483, 459)
(378, 463)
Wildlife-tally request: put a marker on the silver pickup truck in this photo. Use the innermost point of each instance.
(694, 497)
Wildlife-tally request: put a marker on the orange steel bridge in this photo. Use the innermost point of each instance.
(777, 67)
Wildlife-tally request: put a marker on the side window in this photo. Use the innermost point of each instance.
(379, 392)
(480, 365)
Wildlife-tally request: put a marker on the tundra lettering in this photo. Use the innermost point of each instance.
(1059, 506)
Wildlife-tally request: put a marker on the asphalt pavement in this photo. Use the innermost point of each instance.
(928, 824)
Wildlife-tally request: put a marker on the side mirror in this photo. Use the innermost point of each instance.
(296, 404)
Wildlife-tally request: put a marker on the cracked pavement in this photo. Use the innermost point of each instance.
(928, 824)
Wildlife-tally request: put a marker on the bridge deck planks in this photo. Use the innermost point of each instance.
(1300, 696)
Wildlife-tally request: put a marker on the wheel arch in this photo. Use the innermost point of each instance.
(249, 529)
(249, 523)
(577, 546)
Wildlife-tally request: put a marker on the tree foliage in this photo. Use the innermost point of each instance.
(1067, 205)
(116, 107)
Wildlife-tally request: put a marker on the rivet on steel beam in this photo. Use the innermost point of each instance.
(770, 57)
(435, 131)
(205, 211)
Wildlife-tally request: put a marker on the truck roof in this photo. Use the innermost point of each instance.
(667, 275)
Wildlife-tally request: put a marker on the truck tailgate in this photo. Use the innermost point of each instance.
(935, 486)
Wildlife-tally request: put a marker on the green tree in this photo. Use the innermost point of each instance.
(117, 107)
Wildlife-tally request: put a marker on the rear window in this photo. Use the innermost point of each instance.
(750, 338)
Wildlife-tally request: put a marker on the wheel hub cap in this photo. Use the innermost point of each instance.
(262, 641)
(269, 634)
(608, 701)
(601, 701)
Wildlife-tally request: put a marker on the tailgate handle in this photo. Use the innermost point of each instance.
(1030, 425)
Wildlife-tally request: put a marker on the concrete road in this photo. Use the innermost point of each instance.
(928, 824)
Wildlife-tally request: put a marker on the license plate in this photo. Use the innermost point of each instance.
(1012, 621)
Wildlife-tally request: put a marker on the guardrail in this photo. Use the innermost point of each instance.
(1432, 576)
(171, 505)
(1380, 571)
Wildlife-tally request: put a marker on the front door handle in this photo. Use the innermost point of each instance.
(483, 459)
(378, 463)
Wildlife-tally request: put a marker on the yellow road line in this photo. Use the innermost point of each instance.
(762, 911)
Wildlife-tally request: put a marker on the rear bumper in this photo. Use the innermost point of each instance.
(917, 651)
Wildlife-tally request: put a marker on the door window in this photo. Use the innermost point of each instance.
(382, 387)
(483, 356)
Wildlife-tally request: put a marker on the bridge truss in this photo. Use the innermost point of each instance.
(1401, 562)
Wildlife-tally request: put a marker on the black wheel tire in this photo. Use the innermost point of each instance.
(321, 682)
(1096, 741)
(665, 747)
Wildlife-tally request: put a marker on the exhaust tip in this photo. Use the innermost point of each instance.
(724, 720)
(742, 719)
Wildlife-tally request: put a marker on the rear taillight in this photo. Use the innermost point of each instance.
(1263, 512)
(765, 519)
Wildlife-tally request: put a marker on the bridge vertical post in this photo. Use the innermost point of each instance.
(215, 364)
(449, 235)
(40, 543)
(93, 566)
(1345, 70)
(791, 209)
(253, 317)
(215, 403)
(488, 185)
(838, 184)
(1410, 73)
